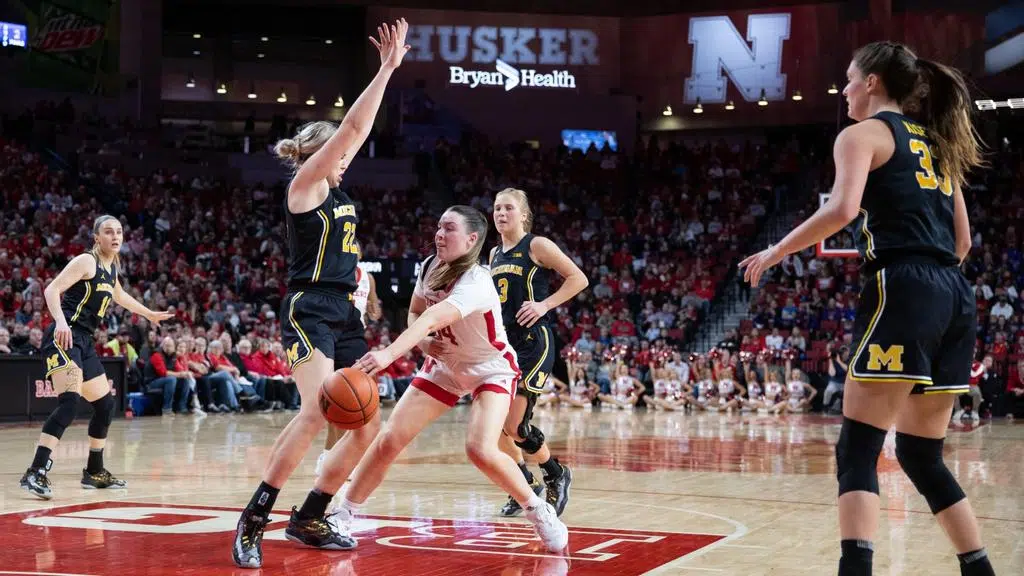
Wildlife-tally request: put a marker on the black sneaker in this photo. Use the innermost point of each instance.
(317, 532)
(100, 480)
(247, 549)
(35, 481)
(512, 508)
(558, 489)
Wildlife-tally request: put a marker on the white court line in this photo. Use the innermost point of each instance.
(744, 546)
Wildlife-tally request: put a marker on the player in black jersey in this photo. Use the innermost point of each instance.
(520, 268)
(899, 171)
(321, 327)
(78, 299)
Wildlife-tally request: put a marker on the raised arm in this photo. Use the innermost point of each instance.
(358, 121)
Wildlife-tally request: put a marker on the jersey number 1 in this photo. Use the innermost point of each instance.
(103, 306)
(927, 178)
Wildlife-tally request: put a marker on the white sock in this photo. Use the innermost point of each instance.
(351, 507)
(534, 502)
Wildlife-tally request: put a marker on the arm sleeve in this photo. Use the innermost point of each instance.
(159, 367)
(474, 292)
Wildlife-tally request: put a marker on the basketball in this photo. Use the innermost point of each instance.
(348, 398)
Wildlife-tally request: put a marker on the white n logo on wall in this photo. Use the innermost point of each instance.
(718, 47)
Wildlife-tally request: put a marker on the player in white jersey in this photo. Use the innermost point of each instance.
(626, 390)
(455, 317)
(801, 394)
(365, 300)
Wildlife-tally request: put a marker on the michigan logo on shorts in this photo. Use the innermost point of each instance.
(889, 359)
(52, 362)
(293, 354)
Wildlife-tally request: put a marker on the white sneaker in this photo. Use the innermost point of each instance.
(958, 415)
(549, 528)
(340, 519)
(320, 463)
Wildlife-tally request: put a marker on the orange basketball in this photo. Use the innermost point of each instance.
(348, 398)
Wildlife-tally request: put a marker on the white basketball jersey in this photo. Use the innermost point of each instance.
(479, 335)
(772, 389)
(725, 387)
(362, 293)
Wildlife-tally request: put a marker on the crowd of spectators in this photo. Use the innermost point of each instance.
(657, 231)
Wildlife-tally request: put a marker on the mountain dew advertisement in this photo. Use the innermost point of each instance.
(73, 44)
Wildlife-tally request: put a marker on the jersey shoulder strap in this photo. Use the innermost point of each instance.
(425, 267)
(490, 260)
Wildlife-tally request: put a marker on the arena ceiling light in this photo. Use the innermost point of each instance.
(797, 96)
(340, 102)
(252, 91)
(260, 55)
(197, 35)
(222, 89)
(191, 82)
(667, 111)
(328, 41)
(698, 109)
(311, 101)
(1011, 103)
(833, 89)
(264, 39)
(730, 106)
(283, 97)
(763, 100)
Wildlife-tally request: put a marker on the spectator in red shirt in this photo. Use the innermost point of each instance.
(160, 376)
(623, 327)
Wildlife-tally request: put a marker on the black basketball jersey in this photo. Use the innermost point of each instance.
(907, 206)
(322, 245)
(86, 303)
(518, 279)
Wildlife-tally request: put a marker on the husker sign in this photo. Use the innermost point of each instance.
(505, 47)
(718, 47)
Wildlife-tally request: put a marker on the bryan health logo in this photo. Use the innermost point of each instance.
(508, 76)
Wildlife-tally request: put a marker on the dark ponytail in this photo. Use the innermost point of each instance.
(935, 95)
(944, 108)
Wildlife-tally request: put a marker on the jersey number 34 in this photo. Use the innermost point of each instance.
(926, 177)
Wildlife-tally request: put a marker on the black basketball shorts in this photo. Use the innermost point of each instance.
(81, 354)
(324, 321)
(535, 350)
(916, 323)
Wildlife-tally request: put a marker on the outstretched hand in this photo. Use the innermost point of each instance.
(390, 42)
(755, 265)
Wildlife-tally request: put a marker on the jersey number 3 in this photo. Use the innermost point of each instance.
(502, 290)
(927, 178)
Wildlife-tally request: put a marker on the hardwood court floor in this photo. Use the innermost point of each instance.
(654, 493)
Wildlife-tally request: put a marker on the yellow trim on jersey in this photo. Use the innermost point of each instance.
(67, 361)
(529, 283)
(869, 253)
(78, 311)
(533, 372)
(302, 335)
(880, 378)
(323, 245)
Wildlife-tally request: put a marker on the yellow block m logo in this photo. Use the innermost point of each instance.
(52, 362)
(890, 359)
(293, 353)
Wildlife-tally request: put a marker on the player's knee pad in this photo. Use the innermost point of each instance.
(532, 441)
(857, 456)
(103, 413)
(921, 459)
(63, 415)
